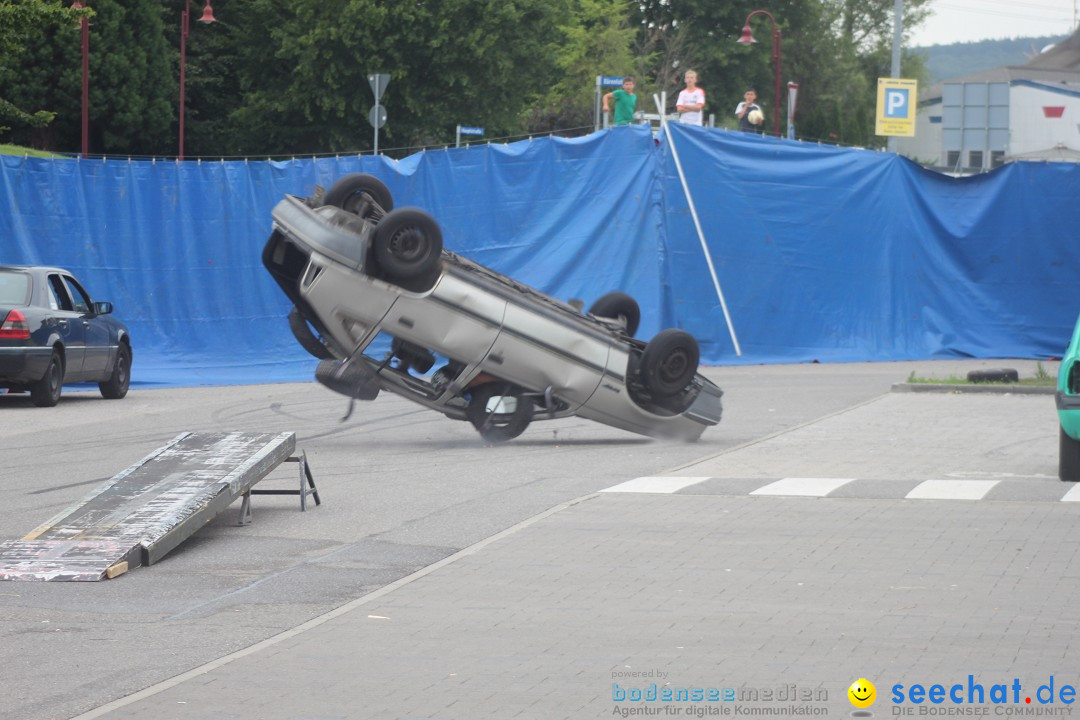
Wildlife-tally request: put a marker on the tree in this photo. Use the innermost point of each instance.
(298, 71)
(131, 82)
(595, 38)
(22, 23)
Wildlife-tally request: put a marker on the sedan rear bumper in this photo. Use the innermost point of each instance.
(22, 365)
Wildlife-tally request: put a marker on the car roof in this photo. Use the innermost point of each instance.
(33, 268)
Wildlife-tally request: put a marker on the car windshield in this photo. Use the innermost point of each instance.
(14, 288)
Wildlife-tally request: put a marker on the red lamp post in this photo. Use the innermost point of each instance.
(747, 38)
(78, 5)
(185, 27)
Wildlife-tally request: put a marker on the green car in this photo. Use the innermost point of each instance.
(1067, 398)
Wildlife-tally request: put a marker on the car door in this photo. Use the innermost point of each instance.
(98, 343)
(69, 327)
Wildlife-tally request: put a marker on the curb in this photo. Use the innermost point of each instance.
(997, 389)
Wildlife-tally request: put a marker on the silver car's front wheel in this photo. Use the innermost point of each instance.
(408, 246)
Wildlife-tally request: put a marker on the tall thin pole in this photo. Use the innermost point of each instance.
(184, 19)
(897, 43)
(776, 59)
(85, 87)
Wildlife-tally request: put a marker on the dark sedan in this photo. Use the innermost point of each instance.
(52, 334)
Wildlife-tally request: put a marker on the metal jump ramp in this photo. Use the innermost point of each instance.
(144, 512)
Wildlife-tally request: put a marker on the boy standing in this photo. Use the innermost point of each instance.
(743, 111)
(625, 102)
(691, 101)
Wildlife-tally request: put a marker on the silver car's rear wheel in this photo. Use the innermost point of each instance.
(618, 306)
(669, 362)
(355, 193)
(499, 411)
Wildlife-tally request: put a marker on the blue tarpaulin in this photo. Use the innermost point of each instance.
(823, 253)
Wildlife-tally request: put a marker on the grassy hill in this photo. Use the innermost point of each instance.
(958, 59)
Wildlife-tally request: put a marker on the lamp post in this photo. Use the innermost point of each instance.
(747, 38)
(185, 26)
(78, 5)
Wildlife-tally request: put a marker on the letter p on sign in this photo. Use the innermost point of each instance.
(896, 103)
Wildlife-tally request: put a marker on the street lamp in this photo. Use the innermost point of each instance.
(78, 5)
(747, 38)
(185, 25)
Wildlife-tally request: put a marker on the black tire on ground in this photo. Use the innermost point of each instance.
(499, 427)
(117, 385)
(1003, 375)
(669, 362)
(307, 339)
(408, 245)
(353, 192)
(1068, 457)
(618, 306)
(46, 391)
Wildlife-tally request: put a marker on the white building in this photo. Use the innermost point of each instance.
(1022, 112)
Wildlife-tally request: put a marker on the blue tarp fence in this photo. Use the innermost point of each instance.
(822, 253)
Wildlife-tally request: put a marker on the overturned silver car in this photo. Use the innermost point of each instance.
(363, 275)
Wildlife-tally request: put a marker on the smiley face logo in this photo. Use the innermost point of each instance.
(862, 693)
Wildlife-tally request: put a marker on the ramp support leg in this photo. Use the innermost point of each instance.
(307, 487)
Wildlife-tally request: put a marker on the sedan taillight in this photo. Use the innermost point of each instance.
(14, 327)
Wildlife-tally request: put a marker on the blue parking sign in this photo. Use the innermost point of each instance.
(896, 107)
(896, 103)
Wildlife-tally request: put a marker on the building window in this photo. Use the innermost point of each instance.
(975, 159)
(997, 158)
(952, 159)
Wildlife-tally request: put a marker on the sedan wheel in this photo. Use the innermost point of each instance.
(117, 385)
(46, 391)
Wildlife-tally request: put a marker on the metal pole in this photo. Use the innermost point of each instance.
(776, 57)
(596, 106)
(897, 43)
(457, 139)
(697, 223)
(184, 17)
(85, 85)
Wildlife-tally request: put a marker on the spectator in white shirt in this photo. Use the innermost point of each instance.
(691, 101)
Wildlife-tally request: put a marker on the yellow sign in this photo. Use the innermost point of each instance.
(897, 104)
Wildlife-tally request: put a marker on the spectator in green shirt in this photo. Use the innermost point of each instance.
(625, 102)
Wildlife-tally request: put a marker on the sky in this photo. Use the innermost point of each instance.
(968, 20)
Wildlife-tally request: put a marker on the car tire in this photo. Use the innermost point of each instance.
(408, 246)
(618, 306)
(307, 339)
(498, 427)
(1068, 457)
(669, 362)
(119, 381)
(352, 192)
(46, 391)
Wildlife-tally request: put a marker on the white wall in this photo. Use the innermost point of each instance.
(1029, 128)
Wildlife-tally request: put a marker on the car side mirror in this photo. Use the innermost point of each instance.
(102, 308)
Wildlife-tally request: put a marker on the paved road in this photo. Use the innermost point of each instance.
(408, 491)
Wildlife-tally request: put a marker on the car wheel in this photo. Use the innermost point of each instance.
(1068, 457)
(499, 411)
(355, 193)
(46, 391)
(408, 245)
(307, 339)
(669, 362)
(618, 306)
(116, 386)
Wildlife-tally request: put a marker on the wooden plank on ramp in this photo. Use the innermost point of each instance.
(147, 510)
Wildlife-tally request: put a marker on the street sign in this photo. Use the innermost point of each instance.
(467, 130)
(897, 105)
(377, 116)
(378, 83)
(610, 81)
